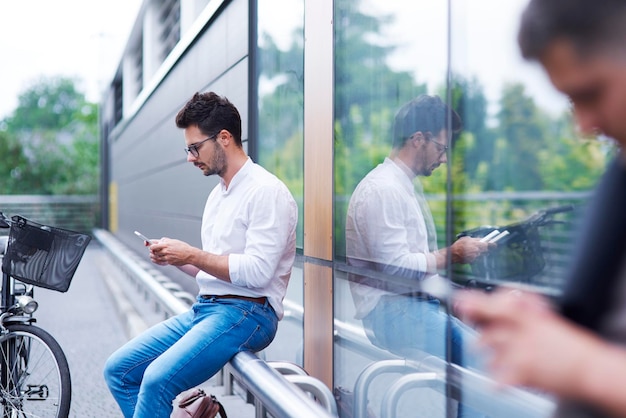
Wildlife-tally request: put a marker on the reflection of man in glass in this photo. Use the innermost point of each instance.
(389, 230)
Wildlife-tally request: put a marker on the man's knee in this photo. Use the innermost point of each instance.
(112, 370)
(155, 380)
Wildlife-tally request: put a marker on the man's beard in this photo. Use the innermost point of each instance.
(218, 163)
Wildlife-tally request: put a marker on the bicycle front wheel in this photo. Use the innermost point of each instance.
(34, 374)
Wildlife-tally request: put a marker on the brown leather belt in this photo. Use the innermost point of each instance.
(260, 300)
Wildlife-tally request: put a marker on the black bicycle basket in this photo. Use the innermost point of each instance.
(42, 255)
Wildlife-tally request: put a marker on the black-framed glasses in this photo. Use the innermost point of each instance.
(442, 147)
(193, 148)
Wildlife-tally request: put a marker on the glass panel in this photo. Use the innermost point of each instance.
(391, 143)
(519, 153)
(280, 63)
(280, 60)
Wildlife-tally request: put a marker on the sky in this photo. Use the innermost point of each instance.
(71, 38)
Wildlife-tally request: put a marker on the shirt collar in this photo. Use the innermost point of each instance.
(238, 177)
(405, 168)
(407, 177)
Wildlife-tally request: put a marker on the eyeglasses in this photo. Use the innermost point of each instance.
(442, 147)
(193, 148)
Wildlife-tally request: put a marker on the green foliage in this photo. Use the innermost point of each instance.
(12, 163)
(50, 142)
(365, 85)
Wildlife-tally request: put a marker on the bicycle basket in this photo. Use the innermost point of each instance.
(42, 255)
(517, 257)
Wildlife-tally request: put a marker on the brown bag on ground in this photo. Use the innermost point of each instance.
(197, 404)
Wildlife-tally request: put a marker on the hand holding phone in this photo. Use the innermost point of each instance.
(143, 237)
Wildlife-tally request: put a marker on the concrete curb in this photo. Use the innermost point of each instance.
(130, 317)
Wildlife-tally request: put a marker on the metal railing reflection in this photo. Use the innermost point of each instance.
(427, 372)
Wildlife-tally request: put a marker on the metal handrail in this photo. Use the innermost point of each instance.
(287, 368)
(277, 394)
(298, 376)
(316, 388)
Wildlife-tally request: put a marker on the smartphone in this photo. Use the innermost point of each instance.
(499, 237)
(490, 236)
(143, 237)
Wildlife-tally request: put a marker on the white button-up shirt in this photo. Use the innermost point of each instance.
(254, 223)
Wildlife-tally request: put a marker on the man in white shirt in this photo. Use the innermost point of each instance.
(248, 248)
(389, 230)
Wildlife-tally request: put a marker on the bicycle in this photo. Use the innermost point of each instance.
(34, 373)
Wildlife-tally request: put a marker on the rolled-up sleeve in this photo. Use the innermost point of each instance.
(272, 217)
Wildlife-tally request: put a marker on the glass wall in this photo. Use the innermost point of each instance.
(443, 135)
(386, 55)
(280, 77)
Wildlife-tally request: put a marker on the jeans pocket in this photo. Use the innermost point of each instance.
(259, 339)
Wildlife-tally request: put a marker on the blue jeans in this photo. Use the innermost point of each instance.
(401, 324)
(147, 373)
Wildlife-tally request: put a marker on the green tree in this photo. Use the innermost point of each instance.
(475, 145)
(12, 163)
(569, 162)
(522, 133)
(365, 84)
(53, 141)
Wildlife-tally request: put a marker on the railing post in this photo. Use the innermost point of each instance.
(410, 381)
(367, 376)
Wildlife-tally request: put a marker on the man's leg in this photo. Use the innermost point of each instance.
(220, 330)
(408, 325)
(404, 324)
(125, 368)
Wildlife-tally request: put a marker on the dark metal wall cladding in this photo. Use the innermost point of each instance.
(159, 192)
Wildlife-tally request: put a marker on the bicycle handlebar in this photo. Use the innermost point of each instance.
(4, 221)
(559, 209)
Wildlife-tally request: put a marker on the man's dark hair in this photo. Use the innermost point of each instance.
(424, 114)
(211, 113)
(588, 24)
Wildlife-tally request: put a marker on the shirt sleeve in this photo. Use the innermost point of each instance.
(270, 236)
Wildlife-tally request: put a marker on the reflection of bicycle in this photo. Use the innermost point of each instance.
(34, 373)
(519, 255)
